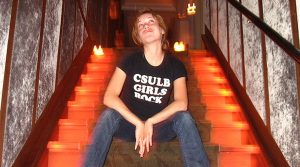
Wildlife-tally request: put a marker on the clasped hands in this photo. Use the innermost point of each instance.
(143, 136)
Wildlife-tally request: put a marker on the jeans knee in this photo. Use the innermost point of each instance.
(109, 115)
(184, 118)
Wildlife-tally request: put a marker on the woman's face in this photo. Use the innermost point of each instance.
(148, 29)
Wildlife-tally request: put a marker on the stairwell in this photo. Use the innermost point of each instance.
(227, 137)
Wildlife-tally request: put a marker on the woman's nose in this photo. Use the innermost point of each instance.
(146, 26)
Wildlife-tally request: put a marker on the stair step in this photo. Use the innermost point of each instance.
(230, 133)
(90, 89)
(83, 105)
(161, 154)
(74, 130)
(83, 96)
(94, 77)
(246, 156)
(66, 154)
(223, 116)
(80, 113)
(216, 92)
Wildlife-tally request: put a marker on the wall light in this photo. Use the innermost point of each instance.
(191, 9)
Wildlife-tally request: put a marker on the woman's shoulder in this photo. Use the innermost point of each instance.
(173, 59)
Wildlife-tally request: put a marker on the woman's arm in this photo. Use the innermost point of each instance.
(112, 99)
(180, 102)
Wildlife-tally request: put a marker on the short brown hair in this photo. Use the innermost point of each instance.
(161, 23)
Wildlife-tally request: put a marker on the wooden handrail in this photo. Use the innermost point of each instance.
(289, 48)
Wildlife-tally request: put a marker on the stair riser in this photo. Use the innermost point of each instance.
(72, 133)
(64, 159)
(222, 117)
(241, 159)
(229, 136)
(81, 114)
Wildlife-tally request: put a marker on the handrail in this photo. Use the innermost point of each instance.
(289, 48)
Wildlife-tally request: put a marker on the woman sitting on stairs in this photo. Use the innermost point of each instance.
(138, 97)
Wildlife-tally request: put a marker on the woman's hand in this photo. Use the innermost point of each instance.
(139, 137)
(148, 132)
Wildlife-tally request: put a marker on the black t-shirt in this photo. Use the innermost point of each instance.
(147, 88)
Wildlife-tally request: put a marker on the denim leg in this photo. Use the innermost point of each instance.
(103, 133)
(192, 148)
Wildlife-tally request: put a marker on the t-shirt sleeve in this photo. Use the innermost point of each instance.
(179, 69)
(124, 64)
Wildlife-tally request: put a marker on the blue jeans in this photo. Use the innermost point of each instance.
(111, 124)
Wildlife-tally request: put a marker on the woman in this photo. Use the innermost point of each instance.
(138, 97)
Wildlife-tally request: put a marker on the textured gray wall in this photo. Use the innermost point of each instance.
(222, 12)
(282, 83)
(206, 14)
(66, 51)
(253, 67)
(235, 43)
(78, 32)
(277, 15)
(253, 61)
(298, 15)
(49, 54)
(283, 102)
(25, 48)
(22, 78)
(214, 19)
(5, 10)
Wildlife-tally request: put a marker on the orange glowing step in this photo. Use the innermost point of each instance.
(64, 154)
(207, 69)
(99, 67)
(89, 89)
(231, 133)
(237, 156)
(94, 77)
(80, 113)
(217, 91)
(92, 82)
(224, 114)
(83, 105)
(87, 96)
(215, 100)
(74, 130)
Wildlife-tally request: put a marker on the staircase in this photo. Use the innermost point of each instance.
(226, 135)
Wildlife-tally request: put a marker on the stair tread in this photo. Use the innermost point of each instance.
(75, 122)
(242, 148)
(65, 145)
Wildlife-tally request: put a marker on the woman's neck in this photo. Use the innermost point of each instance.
(154, 54)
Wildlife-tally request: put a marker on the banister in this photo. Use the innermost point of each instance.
(289, 48)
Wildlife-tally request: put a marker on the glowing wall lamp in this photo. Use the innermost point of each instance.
(191, 9)
(179, 46)
(98, 51)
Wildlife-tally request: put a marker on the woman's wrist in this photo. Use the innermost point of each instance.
(138, 123)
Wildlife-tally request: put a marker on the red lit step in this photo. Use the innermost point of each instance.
(74, 130)
(92, 82)
(94, 77)
(233, 133)
(226, 113)
(80, 113)
(83, 105)
(90, 89)
(216, 91)
(245, 156)
(82, 96)
(64, 154)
